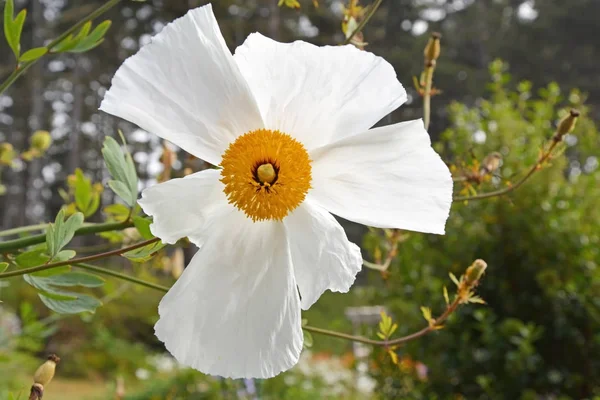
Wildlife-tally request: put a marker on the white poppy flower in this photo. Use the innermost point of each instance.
(289, 126)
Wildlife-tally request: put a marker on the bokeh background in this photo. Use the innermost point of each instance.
(507, 71)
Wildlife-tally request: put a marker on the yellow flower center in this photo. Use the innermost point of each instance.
(266, 174)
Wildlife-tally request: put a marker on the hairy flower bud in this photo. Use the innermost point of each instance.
(41, 140)
(567, 124)
(45, 372)
(475, 272)
(432, 50)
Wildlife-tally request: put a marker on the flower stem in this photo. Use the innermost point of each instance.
(509, 189)
(78, 260)
(364, 21)
(119, 275)
(427, 94)
(22, 68)
(438, 322)
(16, 244)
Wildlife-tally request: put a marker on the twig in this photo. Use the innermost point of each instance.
(119, 275)
(364, 21)
(532, 170)
(78, 260)
(16, 244)
(22, 68)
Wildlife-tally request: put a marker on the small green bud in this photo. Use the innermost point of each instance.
(475, 272)
(41, 140)
(567, 124)
(7, 153)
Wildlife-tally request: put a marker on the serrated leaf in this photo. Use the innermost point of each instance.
(33, 54)
(143, 227)
(3, 266)
(83, 303)
(446, 297)
(144, 253)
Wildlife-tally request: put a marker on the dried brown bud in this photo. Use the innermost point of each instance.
(432, 50)
(490, 163)
(567, 124)
(475, 272)
(37, 392)
(45, 372)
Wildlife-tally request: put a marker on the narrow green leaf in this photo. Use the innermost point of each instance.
(50, 244)
(3, 266)
(308, 339)
(122, 191)
(84, 46)
(120, 212)
(145, 253)
(446, 297)
(9, 11)
(52, 271)
(83, 191)
(33, 54)
(143, 227)
(65, 45)
(67, 231)
(32, 258)
(17, 29)
(99, 31)
(58, 296)
(76, 279)
(93, 206)
(82, 304)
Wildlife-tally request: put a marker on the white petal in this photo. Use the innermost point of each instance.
(387, 177)
(323, 257)
(185, 87)
(318, 94)
(235, 311)
(181, 207)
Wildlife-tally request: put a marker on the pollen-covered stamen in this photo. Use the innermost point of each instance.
(266, 174)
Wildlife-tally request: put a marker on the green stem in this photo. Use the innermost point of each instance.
(119, 275)
(24, 229)
(16, 244)
(509, 189)
(22, 68)
(427, 95)
(364, 21)
(94, 257)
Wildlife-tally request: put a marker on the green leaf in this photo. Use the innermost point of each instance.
(143, 227)
(67, 232)
(65, 255)
(446, 297)
(50, 244)
(65, 45)
(52, 271)
(13, 28)
(122, 191)
(33, 54)
(58, 296)
(144, 253)
(121, 167)
(32, 258)
(118, 211)
(93, 40)
(3, 266)
(76, 279)
(83, 191)
(83, 303)
(308, 339)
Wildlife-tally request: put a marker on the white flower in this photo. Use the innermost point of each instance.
(289, 125)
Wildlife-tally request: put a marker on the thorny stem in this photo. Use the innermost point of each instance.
(78, 260)
(532, 170)
(364, 21)
(119, 275)
(16, 244)
(22, 68)
(438, 321)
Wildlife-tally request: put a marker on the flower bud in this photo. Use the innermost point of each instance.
(7, 153)
(432, 50)
(41, 140)
(567, 124)
(490, 163)
(475, 272)
(45, 372)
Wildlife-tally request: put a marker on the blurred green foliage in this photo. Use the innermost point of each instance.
(539, 335)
